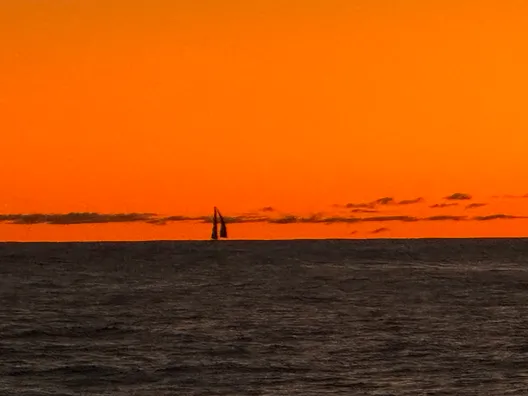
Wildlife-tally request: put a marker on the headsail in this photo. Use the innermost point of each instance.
(214, 234)
(223, 228)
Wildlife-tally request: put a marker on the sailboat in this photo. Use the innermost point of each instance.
(223, 229)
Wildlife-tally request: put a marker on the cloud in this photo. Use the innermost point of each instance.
(411, 201)
(445, 218)
(291, 219)
(267, 209)
(76, 218)
(443, 205)
(178, 218)
(165, 220)
(497, 217)
(359, 205)
(379, 230)
(370, 205)
(320, 219)
(288, 219)
(363, 211)
(315, 218)
(458, 197)
(475, 205)
(390, 218)
(384, 201)
(242, 219)
(339, 219)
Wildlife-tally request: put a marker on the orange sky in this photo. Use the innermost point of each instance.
(171, 107)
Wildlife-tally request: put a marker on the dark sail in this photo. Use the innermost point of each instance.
(214, 234)
(223, 229)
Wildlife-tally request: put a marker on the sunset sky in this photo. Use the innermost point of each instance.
(298, 119)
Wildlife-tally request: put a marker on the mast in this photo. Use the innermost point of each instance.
(214, 234)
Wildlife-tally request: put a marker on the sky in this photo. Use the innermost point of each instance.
(130, 120)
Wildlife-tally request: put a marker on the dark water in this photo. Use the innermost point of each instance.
(422, 317)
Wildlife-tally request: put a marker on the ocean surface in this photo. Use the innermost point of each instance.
(312, 317)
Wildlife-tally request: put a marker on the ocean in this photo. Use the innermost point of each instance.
(306, 317)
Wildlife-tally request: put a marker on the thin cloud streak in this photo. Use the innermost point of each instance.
(411, 201)
(364, 211)
(379, 230)
(365, 205)
(475, 205)
(390, 218)
(498, 217)
(384, 201)
(445, 218)
(443, 205)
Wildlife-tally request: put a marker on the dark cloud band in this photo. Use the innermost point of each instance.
(76, 218)
(151, 218)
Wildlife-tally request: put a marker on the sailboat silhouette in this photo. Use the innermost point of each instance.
(223, 229)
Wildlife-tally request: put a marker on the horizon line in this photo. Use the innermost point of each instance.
(261, 240)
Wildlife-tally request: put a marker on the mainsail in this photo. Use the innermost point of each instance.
(223, 228)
